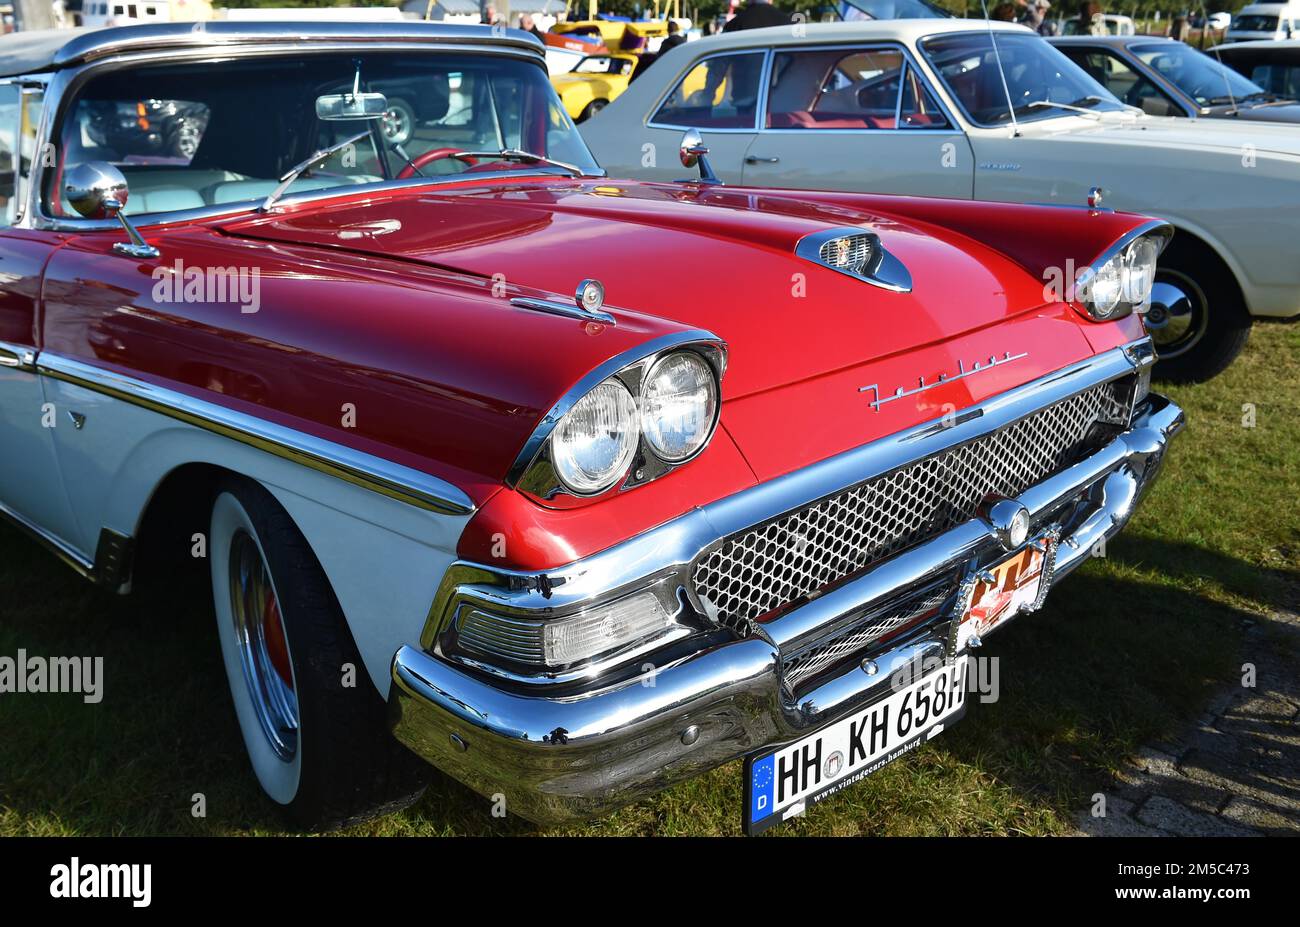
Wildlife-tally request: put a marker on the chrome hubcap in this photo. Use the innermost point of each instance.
(263, 646)
(1177, 315)
(395, 126)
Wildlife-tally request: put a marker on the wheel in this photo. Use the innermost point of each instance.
(319, 748)
(399, 122)
(1197, 317)
(591, 109)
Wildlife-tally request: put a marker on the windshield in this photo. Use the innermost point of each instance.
(1197, 74)
(852, 10)
(184, 140)
(1255, 23)
(1035, 72)
(600, 64)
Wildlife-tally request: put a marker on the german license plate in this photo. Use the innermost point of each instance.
(783, 783)
(1005, 589)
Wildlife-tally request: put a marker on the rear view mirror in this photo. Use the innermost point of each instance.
(343, 107)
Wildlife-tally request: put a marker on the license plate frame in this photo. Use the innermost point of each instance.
(833, 776)
(991, 597)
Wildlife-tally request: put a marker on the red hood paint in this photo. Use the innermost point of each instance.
(398, 305)
(729, 268)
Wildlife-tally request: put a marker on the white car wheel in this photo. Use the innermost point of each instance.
(255, 648)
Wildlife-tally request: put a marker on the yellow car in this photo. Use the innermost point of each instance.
(593, 82)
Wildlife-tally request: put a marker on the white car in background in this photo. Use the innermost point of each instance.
(920, 107)
(1264, 21)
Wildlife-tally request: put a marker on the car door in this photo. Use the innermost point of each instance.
(859, 118)
(31, 490)
(719, 96)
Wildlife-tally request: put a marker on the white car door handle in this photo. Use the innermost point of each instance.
(754, 159)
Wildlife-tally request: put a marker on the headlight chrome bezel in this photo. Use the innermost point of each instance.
(534, 471)
(1114, 261)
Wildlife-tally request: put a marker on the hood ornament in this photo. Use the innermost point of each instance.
(961, 373)
(587, 306)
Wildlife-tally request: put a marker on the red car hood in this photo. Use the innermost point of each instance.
(724, 267)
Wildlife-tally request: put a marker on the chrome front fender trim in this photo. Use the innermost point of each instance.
(356, 467)
(571, 755)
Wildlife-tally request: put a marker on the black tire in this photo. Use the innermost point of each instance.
(350, 768)
(1194, 277)
(592, 109)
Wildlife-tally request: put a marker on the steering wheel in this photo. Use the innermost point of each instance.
(433, 154)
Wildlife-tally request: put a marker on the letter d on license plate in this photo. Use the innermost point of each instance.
(784, 782)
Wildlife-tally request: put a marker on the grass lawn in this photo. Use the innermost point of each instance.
(1127, 649)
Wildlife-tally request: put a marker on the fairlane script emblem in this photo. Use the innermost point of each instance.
(962, 372)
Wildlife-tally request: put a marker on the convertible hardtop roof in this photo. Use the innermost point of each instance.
(49, 50)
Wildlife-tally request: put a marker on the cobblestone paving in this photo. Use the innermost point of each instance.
(1236, 771)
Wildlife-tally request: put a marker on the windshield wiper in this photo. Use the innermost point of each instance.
(515, 154)
(297, 170)
(1072, 107)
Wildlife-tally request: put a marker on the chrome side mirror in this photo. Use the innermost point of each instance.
(97, 190)
(693, 151)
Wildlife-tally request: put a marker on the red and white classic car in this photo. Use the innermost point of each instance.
(575, 487)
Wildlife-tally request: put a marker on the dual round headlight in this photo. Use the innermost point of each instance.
(1123, 283)
(596, 441)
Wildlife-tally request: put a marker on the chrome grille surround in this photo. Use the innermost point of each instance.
(757, 572)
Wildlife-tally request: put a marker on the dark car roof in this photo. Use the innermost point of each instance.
(48, 50)
(1271, 49)
(1114, 41)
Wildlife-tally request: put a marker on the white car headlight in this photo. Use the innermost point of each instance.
(1102, 293)
(679, 404)
(594, 443)
(1140, 270)
(1123, 282)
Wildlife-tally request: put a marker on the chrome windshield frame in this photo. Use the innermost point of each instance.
(61, 86)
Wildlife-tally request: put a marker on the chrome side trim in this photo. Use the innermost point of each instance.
(356, 467)
(55, 545)
(670, 550)
(16, 356)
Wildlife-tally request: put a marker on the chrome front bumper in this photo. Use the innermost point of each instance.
(564, 757)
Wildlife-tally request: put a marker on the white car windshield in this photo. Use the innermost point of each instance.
(186, 141)
(1198, 75)
(1037, 75)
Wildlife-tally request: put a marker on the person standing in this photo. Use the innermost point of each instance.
(758, 14)
(674, 38)
(527, 25)
(1036, 18)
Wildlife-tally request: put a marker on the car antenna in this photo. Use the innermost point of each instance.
(1227, 85)
(1011, 110)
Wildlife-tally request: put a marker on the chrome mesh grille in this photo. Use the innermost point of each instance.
(768, 567)
(914, 608)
